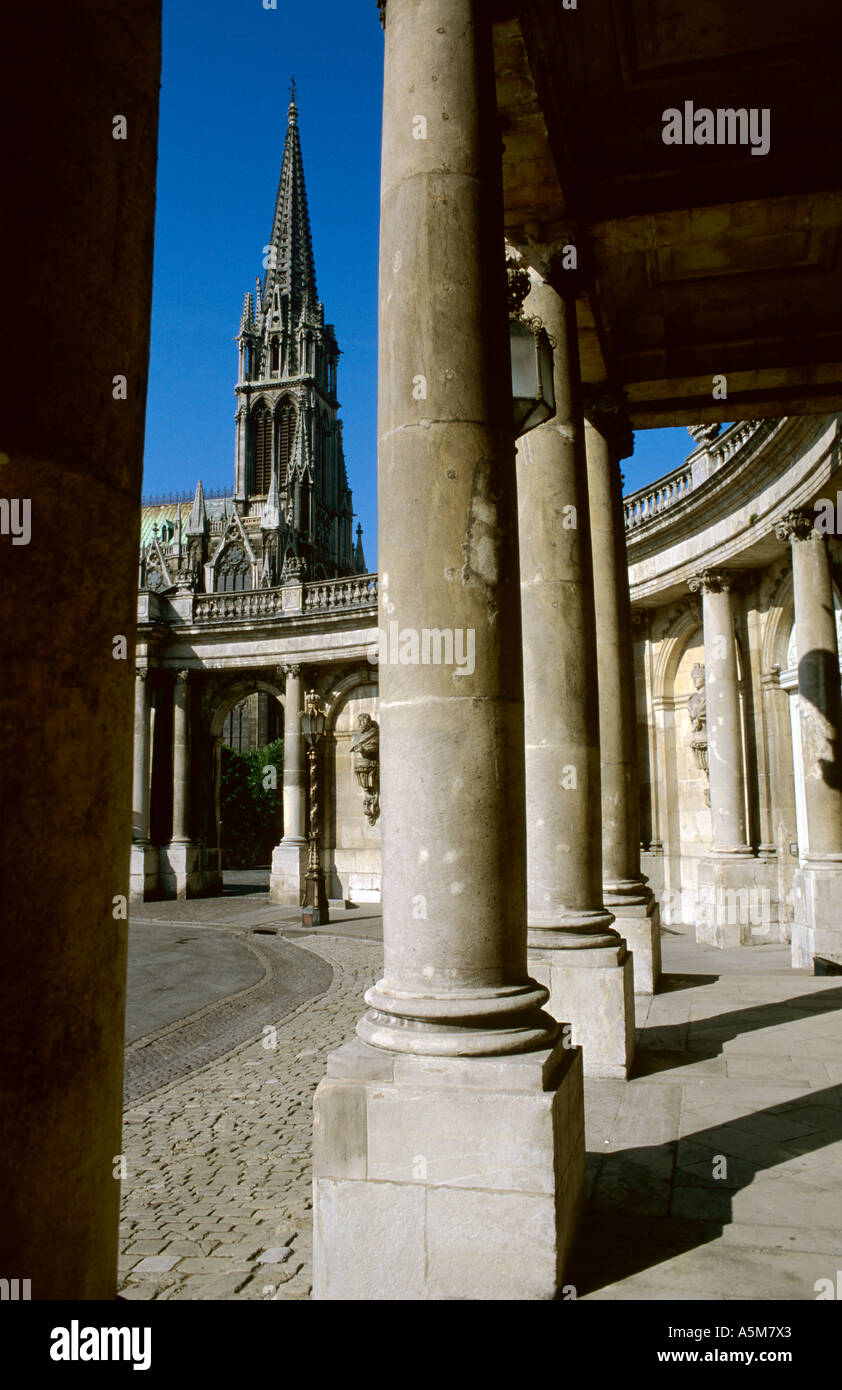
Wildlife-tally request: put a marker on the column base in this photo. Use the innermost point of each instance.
(817, 925)
(289, 870)
(446, 1178)
(594, 989)
(737, 901)
(181, 870)
(143, 873)
(637, 918)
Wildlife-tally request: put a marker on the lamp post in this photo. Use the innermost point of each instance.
(315, 909)
(531, 348)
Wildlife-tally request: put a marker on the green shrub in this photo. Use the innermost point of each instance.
(251, 814)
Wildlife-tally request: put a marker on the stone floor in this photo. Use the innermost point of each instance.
(714, 1173)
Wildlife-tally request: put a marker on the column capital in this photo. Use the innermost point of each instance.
(289, 671)
(182, 677)
(711, 582)
(604, 406)
(797, 525)
(142, 672)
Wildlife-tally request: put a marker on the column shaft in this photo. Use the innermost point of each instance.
(451, 772)
(615, 664)
(820, 703)
(140, 779)
(724, 720)
(181, 756)
(607, 437)
(294, 771)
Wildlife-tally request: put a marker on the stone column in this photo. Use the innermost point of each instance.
(140, 781)
(181, 860)
(289, 858)
(144, 857)
(725, 879)
(817, 929)
(636, 916)
(573, 949)
(444, 1166)
(66, 705)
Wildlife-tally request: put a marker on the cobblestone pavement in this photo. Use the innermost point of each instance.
(260, 979)
(217, 1194)
(714, 1173)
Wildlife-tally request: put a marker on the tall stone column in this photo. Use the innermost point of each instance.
(289, 858)
(636, 916)
(144, 857)
(181, 860)
(140, 779)
(727, 877)
(66, 703)
(817, 929)
(572, 946)
(444, 1164)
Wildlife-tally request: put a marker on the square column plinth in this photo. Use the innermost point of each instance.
(289, 870)
(594, 989)
(639, 924)
(181, 870)
(817, 925)
(143, 877)
(737, 902)
(446, 1177)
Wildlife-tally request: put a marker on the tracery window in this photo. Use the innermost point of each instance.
(233, 572)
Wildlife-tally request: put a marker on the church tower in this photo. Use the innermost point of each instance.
(290, 480)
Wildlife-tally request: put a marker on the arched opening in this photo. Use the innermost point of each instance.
(261, 435)
(285, 437)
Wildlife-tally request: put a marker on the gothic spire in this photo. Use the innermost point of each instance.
(197, 521)
(291, 267)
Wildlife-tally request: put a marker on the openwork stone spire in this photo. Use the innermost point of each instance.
(291, 268)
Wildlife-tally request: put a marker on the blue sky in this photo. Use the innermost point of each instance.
(224, 95)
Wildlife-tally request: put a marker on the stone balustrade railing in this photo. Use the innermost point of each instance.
(648, 502)
(329, 595)
(357, 591)
(651, 501)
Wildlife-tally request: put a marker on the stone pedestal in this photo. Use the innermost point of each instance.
(289, 869)
(637, 918)
(181, 870)
(596, 989)
(737, 900)
(817, 925)
(143, 874)
(449, 1178)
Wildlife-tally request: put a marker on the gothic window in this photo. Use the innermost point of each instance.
(285, 440)
(154, 578)
(261, 424)
(233, 571)
(235, 730)
(276, 357)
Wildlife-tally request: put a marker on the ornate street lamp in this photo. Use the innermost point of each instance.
(313, 720)
(531, 347)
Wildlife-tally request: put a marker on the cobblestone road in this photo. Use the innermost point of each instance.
(217, 1199)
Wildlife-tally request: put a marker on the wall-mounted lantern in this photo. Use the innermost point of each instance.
(533, 392)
